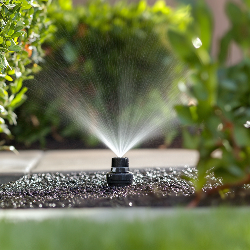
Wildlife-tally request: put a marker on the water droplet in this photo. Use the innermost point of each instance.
(182, 87)
(228, 107)
(197, 42)
(2, 109)
(18, 74)
(247, 124)
(220, 127)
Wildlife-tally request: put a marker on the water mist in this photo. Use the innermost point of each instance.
(121, 98)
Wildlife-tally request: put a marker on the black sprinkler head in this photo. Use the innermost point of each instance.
(119, 175)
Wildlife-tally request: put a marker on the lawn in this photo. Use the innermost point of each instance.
(201, 229)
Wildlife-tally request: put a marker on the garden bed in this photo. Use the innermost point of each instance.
(151, 188)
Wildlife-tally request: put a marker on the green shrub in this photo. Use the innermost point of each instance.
(91, 44)
(23, 27)
(221, 95)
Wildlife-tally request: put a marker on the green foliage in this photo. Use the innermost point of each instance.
(23, 27)
(93, 41)
(146, 229)
(220, 93)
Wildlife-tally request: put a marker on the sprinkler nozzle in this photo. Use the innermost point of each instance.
(119, 175)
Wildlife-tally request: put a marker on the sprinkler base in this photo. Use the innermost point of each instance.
(119, 175)
(119, 179)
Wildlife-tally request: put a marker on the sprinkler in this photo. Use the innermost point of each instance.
(119, 175)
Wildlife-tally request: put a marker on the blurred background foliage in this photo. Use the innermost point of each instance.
(23, 28)
(92, 43)
(214, 123)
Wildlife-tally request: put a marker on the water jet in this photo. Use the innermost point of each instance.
(120, 174)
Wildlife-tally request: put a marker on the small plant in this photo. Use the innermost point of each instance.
(214, 124)
(23, 27)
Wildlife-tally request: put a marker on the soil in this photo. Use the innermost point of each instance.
(150, 188)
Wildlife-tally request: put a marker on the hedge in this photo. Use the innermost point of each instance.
(24, 26)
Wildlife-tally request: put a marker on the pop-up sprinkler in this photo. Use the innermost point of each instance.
(119, 175)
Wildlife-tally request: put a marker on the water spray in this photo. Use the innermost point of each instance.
(120, 174)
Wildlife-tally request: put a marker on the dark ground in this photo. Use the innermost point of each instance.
(151, 188)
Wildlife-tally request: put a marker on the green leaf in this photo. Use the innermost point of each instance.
(65, 4)
(10, 6)
(224, 46)
(14, 87)
(10, 32)
(8, 43)
(228, 84)
(70, 53)
(3, 94)
(18, 33)
(234, 13)
(183, 47)
(204, 19)
(4, 129)
(11, 117)
(15, 48)
(3, 61)
(9, 148)
(17, 8)
(247, 2)
(18, 85)
(242, 136)
(31, 11)
(142, 5)
(6, 28)
(20, 23)
(199, 91)
(3, 110)
(235, 171)
(184, 114)
(8, 78)
(19, 99)
(190, 141)
(11, 72)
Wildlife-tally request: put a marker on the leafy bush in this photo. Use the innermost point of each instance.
(88, 46)
(23, 27)
(221, 96)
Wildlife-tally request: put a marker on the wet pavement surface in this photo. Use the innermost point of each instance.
(151, 187)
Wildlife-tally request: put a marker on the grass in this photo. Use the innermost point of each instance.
(221, 228)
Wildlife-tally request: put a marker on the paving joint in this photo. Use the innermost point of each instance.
(34, 163)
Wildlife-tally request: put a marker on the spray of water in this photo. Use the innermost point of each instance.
(123, 105)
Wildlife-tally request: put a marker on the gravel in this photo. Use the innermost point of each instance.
(151, 187)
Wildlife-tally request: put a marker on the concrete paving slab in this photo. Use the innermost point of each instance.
(21, 163)
(103, 215)
(89, 160)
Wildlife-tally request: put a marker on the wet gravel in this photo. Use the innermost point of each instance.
(151, 187)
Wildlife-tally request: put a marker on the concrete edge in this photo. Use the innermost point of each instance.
(104, 215)
(96, 214)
